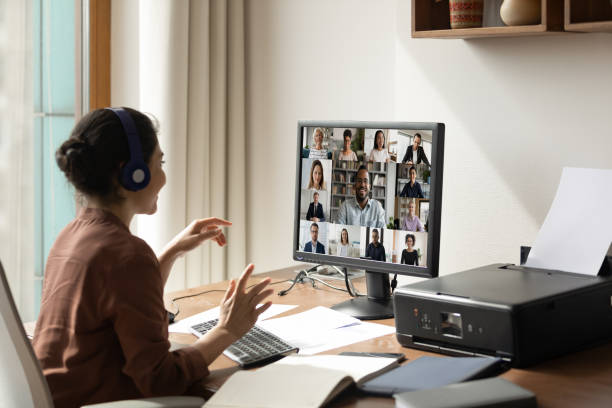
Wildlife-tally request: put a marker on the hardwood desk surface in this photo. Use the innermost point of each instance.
(582, 379)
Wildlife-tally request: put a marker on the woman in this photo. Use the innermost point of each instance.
(317, 181)
(411, 222)
(347, 153)
(410, 256)
(379, 153)
(317, 152)
(343, 246)
(102, 332)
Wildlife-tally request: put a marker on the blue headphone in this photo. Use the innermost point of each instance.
(135, 174)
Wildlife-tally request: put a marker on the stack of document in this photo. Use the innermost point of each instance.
(321, 328)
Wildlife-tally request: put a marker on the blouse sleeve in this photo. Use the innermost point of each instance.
(135, 305)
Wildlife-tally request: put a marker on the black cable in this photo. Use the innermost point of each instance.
(393, 283)
(215, 290)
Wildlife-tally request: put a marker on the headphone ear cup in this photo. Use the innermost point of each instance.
(135, 175)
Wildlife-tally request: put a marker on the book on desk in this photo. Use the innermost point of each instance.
(310, 381)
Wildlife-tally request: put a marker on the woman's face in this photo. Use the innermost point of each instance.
(412, 176)
(379, 140)
(347, 143)
(145, 200)
(318, 138)
(317, 175)
(411, 208)
(409, 242)
(344, 236)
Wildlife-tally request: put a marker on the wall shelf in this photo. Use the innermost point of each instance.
(588, 16)
(431, 19)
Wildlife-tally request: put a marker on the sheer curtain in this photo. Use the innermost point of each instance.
(192, 78)
(16, 153)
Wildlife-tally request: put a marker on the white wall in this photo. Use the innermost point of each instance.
(516, 111)
(307, 60)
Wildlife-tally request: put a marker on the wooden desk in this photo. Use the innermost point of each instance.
(581, 379)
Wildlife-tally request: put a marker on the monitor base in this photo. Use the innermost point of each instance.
(376, 305)
(366, 309)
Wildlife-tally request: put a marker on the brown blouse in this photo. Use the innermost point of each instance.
(102, 332)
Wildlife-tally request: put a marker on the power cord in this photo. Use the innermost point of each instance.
(213, 290)
(393, 283)
(307, 274)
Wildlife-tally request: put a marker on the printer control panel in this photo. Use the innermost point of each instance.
(451, 324)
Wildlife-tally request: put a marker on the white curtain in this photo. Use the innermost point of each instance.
(192, 78)
(16, 153)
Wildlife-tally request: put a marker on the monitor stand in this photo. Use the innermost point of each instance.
(376, 305)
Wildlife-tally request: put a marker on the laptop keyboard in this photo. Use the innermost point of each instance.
(256, 347)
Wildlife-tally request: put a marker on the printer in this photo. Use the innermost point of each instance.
(523, 315)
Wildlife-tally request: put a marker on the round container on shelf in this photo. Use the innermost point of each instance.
(521, 12)
(465, 13)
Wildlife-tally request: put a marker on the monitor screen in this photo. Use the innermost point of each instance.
(368, 195)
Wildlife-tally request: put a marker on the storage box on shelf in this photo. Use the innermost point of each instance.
(431, 19)
(588, 15)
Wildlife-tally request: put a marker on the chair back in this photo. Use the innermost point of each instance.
(22, 383)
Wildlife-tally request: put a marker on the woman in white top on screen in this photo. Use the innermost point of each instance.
(317, 181)
(379, 153)
(343, 246)
(317, 151)
(347, 153)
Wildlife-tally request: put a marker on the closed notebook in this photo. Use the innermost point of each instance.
(491, 393)
(430, 372)
(296, 381)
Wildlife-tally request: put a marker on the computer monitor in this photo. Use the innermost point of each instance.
(368, 196)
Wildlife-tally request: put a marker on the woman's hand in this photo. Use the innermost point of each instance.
(196, 233)
(239, 310)
(191, 237)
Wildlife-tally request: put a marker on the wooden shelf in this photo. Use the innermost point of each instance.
(432, 20)
(588, 16)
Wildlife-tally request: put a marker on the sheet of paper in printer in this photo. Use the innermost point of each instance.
(577, 231)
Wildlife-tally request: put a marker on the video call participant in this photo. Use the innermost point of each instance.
(411, 222)
(96, 345)
(317, 181)
(317, 151)
(412, 189)
(347, 153)
(315, 210)
(375, 249)
(410, 256)
(379, 153)
(361, 210)
(415, 148)
(343, 246)
(314, 245)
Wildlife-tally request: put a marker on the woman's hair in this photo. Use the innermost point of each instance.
(341, 234)
(410, 236)
(314, 133)
(92, 156)
(383, 138)
(347, 132)
(311, 182)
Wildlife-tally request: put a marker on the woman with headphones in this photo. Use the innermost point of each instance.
(102, 332)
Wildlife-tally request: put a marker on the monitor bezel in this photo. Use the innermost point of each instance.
(435, 202)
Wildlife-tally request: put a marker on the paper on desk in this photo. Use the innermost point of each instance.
(320, 329)
(577, 231)
(182, 326)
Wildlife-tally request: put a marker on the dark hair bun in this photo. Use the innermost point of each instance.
(75, 160)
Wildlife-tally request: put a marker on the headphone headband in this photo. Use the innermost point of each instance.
(135, 173)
